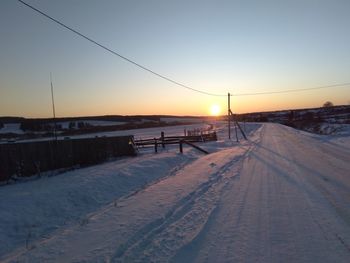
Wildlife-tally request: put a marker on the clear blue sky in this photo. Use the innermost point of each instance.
(216, 46)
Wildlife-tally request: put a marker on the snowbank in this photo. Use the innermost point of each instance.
(36, 209)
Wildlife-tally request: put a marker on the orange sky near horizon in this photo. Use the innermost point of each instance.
(195, 105)
(245, 47)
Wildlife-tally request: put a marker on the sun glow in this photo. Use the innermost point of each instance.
(215, 110)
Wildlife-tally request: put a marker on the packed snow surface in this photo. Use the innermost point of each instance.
(281, 196)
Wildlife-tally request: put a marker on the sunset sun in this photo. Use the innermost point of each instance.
(215, 110)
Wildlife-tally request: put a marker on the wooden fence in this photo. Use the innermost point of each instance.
(162, 140)
(29, 158)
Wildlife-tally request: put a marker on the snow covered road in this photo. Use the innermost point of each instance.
(291, 203)
(282, 198)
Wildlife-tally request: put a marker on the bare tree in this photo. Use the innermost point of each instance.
(328, 104)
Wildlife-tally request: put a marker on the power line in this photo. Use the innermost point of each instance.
(117, 54)
(169, 79)
(292, 90)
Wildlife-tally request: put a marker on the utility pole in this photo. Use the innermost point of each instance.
(229, 115)
(235, 122)
(53, 109)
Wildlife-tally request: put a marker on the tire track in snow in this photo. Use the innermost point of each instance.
(193, 191)
(320, 188)
(159, 240)
(319, 220)
(275, 211)
(223, 217)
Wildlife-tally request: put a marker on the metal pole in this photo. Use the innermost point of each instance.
(53, 109)
(228, 115)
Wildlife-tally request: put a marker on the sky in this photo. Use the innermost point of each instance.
(214, 46)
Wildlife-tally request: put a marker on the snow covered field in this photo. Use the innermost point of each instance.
(150, 132)
(282, 196)
(11, 128)
(16, 129)
(145, 133)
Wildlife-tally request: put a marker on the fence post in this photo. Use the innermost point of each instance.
(155, 145)
(235, 124)
(180, 144)
(214, 136)
(162, 138)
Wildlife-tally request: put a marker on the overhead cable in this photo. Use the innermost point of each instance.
(117, 54)
(291, 90)
(169, 79)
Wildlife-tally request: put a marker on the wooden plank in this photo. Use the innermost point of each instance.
(239, 126)
(195, 146)
(203, 137)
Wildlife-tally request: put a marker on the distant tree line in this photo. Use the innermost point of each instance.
(71, 125)
(38, 125)
(80, 125)
(84, 125)
(328, 104)
(251, 117)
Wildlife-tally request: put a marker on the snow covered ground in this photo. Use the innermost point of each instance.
(339, 134)
(11, 128)
(145, 133)
(15, 127)
(282, 196)
(151, 132)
